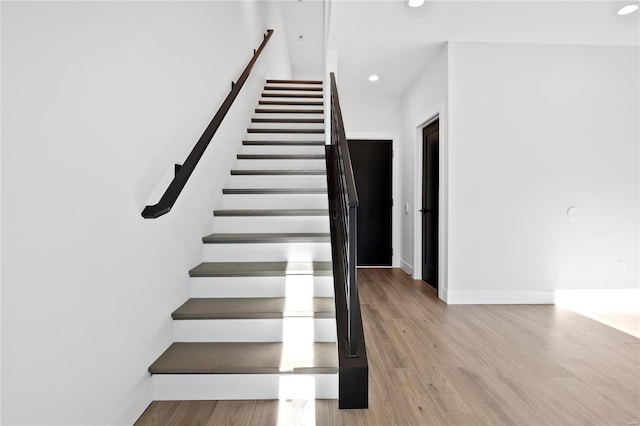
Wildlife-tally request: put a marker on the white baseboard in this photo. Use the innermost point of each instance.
(136, 405)
(443, 294)
(496, 297)
(406, 267)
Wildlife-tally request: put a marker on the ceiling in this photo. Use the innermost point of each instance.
(304, 27)
(397, 42)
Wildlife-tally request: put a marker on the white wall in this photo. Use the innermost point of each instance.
(98, 101)
(0, 226)
(377, 118)
(534, 130)
(425, 98)
(305, 18)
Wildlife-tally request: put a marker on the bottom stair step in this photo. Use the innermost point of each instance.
(260, 269)
(248, 358)
(254, 308)
(207, 387)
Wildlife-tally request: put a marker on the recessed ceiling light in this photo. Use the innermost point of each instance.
(373, 77)
(630, 8)
(415, 3)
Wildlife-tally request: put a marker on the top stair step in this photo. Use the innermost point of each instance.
(295, 81)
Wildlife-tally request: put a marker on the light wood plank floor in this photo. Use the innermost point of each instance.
(433, 364)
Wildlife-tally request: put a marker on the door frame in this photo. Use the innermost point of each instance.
(443, 202)
(395, 188)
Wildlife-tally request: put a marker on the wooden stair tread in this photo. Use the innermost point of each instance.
(269, 172)
(247, 358)
(273, 212)
(271, 102)
(261, 269)
(272, 191)
(253, 308)
(285, 130)
(267, 238)
(293, 95)
(308, 88)
(288, 111)
(288, 120)
(280, 156)
(295, 81)
(284, 143)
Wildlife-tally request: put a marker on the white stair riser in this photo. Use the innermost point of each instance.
(295, 83)
(267, 252)
(288, 92)
(278, 181)
(280, 164)
(176, 387)
(278, 224)
(254, 330)
(252, 286)
(284, 137)
(286, 97)
(296, 115)
(275, 201)
(290, 106)
(283, 149)
(297, 126)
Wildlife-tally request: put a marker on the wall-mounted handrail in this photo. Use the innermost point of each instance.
(183, 172)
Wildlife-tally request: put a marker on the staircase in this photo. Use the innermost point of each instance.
(260, 323)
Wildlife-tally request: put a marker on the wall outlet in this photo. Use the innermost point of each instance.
(622, 267)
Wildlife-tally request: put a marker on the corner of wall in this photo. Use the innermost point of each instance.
(406, 267)
(135, 406)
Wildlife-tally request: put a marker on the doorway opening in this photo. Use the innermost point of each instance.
(430, 205)
(372, 171)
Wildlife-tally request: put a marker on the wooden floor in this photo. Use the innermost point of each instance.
(433, 364)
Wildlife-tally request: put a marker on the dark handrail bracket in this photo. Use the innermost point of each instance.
(182, 175)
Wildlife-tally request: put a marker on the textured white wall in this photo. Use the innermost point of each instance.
(378, 118)
(99, 99)
(535, 129)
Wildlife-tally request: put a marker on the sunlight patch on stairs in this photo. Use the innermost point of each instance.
(297, 403)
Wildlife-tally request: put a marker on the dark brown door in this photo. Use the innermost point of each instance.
(430, 184)
(371, 160)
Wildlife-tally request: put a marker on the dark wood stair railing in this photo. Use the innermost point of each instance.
(353, 388)
(184, 171)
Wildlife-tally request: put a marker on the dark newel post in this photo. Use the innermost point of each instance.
(353, 279)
